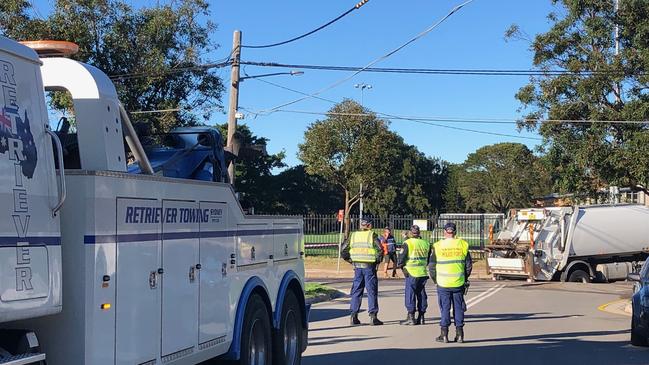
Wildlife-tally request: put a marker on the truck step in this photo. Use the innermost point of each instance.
(23, 359)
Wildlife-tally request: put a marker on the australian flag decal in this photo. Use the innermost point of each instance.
(16, 139)
(20, 145)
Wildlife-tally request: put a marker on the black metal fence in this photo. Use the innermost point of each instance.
(322, 232)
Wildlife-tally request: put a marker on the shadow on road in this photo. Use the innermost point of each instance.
(341, 339)
(477, 318)
(325, 314)
(548, 349)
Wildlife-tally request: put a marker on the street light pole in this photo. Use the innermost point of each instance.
(361, 86)
(617, 86)
(234, 99)
(292, 73)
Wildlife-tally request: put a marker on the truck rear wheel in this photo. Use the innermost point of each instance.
(256, 335)
(636, 338)
(579, 276)
(287, 342)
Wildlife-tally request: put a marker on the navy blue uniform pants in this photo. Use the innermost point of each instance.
(365, 278)
(416, 298)
(451, 297)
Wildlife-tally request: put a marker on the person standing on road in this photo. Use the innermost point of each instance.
(364, 251)
(389, 251)
(450, 266)
(414, 259)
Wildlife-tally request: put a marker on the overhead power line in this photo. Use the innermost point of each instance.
(355, 7)
(385, 56)
(411, 119)
(435, 71)
(201, 67)
(468, 120)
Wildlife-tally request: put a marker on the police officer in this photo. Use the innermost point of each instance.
(364, 251)
(414, 259)
(450, 267)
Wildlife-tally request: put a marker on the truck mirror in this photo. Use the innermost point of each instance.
(633, 277)
(205, 140)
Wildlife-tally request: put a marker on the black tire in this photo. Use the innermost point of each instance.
(636, 338)
(256, 334)
(579, 276)
(600, 277)
(287, 341)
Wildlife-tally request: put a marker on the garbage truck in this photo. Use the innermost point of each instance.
(108, 256)
(575, 244)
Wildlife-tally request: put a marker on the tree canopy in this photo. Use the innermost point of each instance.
(600, 85)
(499, 177)
(353, 146)
(146, 51)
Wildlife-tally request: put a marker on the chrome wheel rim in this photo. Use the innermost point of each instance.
(257, 343)
(290, 338)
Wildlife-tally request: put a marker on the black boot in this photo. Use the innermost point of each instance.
(421, 318)
(409, 321)
(443, 336)
(374, 321)
(459, 334)
(354, 320)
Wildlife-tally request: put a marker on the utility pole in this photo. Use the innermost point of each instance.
(234, 100)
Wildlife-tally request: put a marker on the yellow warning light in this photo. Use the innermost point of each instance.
(48, 48)
(105, 306)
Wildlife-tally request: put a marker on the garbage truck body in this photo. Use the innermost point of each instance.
(580, 243)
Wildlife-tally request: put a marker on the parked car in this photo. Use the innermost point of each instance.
(640, 305)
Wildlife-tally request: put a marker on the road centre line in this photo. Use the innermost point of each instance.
(475, 300)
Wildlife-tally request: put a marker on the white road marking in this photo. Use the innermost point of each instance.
(486, 292)
(477, 299)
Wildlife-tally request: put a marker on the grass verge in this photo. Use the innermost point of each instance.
(316, 289)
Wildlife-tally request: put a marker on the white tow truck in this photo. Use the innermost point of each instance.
(102, 266)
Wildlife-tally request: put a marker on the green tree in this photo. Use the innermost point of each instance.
(346, 149)
(599, 85)
(452, 196)
(412, 183)
(498, 177)
(352, 146)
(300, 193)
(147, 46)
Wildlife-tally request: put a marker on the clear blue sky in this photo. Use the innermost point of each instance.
(471, 39)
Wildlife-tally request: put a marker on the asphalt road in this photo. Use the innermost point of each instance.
(507, 323)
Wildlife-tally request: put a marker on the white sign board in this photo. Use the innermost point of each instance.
(422, 223)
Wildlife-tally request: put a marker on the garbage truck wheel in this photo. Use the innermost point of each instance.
(579, 276)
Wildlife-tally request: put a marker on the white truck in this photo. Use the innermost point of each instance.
(577, 244)
(101, 266)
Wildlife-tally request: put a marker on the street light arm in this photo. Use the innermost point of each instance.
(292, 73)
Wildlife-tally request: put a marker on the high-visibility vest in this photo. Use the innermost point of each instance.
(451, 254)
(418, 250)
(362, 247)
